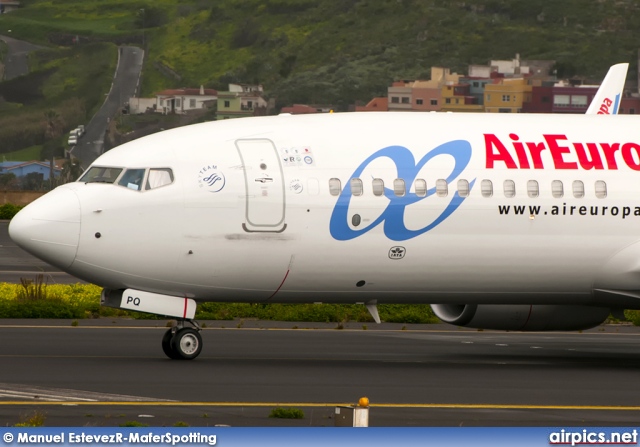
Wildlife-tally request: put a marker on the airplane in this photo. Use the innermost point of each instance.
(510, 221)
(607, 99)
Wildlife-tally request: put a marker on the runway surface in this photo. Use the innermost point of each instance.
(108, 374)
(15, 263)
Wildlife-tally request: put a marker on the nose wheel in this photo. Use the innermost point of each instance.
(182, 343)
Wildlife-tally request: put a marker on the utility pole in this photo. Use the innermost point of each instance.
(142, 9)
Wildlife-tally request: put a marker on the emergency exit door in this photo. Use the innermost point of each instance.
(264, 183)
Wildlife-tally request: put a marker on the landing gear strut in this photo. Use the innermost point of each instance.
(182, 343)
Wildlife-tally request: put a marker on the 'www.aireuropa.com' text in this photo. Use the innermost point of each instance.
(587, 437)
(115, 438)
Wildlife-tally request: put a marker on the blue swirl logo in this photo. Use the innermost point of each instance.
(393, 216)
(211, 178)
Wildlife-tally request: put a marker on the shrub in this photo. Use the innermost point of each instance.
(286, 413)
(8, 210)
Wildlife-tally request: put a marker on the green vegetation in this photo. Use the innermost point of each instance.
(286, 413)
(8, 210)
(335, 51)
(36, 299)
(133, 424)
(26, 154)
(33, 419)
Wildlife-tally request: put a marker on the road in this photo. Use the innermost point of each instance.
(125, 84)
(15, 263)
(16, 61)
(422, 376)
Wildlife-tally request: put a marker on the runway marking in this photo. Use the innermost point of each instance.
(332, 404)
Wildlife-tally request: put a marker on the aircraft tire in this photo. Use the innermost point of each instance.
(166, 346)
(186, 344)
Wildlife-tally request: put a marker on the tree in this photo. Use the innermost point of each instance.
(8, 180)
(53, 129)
(71, 170)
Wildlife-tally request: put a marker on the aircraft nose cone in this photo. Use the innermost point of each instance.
(49, 228)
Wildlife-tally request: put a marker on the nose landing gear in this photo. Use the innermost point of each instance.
(182, 343)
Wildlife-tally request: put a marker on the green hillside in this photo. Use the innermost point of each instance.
(337, 51)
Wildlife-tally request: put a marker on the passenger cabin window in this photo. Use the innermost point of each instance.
(399, 187)
(421, 187)
(132, 179)
(335, 187)
(100, 174)
(509, 188)
(463, 188)
(487, 188)
(533, 190)
(578, 189)
(442, 189)
(601, 189)
(159, 177)
(557, 190)
(356, 187)
(378, 187)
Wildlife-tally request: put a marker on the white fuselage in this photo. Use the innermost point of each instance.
(250, 215)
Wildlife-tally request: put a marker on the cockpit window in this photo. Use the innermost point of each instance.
(159, 177)
(100, 174)
(132, 178)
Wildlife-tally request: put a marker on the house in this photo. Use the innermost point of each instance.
(242, 100)
(506, 95)
(301, 109)
(24, 168)
(8, 6)
(183, 100)
(421, 96)
(379, 104)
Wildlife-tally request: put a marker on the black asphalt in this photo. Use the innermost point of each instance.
(539, 374)
(125, 85)
(16, 61)
(15, 263)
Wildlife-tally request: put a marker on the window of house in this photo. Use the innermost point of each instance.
(447, 101)
(486, 187)
(463, 188)
(421, 187)
(434, 102)
(356, 187)
(579, 100)
(335, 186)
(476, 84)
(557, 190)
(378, 187)
(399, 187)
(162, 102)
(227, 104)
(632, 111)
(578, 189)
(192, 103)
(442, 189)
(506, 98)
(509, 188)
(601, 189)
(395, 100)
(533, 189)
(178, 102)
(546, 99)
(488, 97)
(406, 100)
(419, 102)
(561, 100)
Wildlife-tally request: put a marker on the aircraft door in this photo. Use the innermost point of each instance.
(264, 183)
